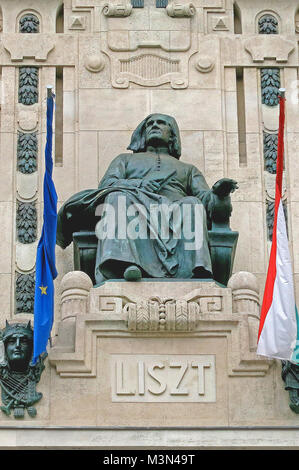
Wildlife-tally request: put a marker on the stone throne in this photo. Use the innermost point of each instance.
(222, 244)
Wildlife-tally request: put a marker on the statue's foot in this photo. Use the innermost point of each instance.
(132, 273)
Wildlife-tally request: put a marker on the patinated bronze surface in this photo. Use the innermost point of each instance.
(290, 375)
(18, 377)
(152, 175)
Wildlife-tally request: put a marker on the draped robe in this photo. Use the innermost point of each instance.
(159, 257)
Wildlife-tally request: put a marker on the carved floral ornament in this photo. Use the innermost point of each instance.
(29, 23)
(268, 24)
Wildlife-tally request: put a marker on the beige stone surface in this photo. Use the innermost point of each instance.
(101, 108)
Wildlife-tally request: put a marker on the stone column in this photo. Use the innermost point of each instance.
(75, 287)
(245, 292)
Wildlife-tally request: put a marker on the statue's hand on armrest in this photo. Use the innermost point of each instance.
(224, 187)
(221, 207)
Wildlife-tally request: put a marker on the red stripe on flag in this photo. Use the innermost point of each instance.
(271, 274)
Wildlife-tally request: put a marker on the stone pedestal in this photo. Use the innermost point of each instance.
(164, 353)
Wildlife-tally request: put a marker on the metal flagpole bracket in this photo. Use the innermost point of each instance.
(50, 92)
(282, 92)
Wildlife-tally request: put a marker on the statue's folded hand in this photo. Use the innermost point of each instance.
(151, 185)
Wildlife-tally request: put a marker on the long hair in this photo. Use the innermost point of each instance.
(138, 143)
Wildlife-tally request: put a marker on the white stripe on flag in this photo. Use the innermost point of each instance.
(279, 333)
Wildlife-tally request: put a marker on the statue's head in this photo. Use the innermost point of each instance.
(154, 130)
(18, 344)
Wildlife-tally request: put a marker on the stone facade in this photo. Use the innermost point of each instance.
(216, 66)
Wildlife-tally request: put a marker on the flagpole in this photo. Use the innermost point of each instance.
(45, 269)
(278, 329)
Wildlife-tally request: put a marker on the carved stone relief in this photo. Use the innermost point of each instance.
(29, 23)
(36, 46)
(270, 151)
(269, 47)
(152, 56)
(28, 85)
(25, 287)
(204, 310)
(27, 152)
(268, 24)
(26, 222)
(77, 23)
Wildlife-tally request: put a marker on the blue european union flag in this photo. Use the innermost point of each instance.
(45, 257)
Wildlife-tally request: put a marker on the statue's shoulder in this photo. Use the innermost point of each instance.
(123, 156)
(192, 169)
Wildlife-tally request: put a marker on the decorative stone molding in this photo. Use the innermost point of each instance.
(29, 23)
(74, 288)
(158, 314)
(161, 3)
(269, 47)
(270, 151)
(119, 9)
(34, 46)
(270, 118)
(25, 256)
(28, 85)
(270, 182)
(148, 66)
(115, 310)
(25, 289)
(94, 63)
(77, 23)
(204, 64)
(220, 24)
(137, 3)
(245, 292)
(27, 118)
(27, 152)
(267, 24)
(152, 56)
(180, 10)
(26, 222)
(27, 185)
(270, 84)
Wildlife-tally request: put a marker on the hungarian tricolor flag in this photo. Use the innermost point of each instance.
(278, 330)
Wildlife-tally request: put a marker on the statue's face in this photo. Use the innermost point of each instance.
(157, 131)
(18, 349)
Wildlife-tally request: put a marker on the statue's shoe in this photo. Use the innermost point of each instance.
(132, 273)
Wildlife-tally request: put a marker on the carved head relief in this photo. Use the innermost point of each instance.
(18, 344)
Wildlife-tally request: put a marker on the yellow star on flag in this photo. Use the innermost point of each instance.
(43, 289)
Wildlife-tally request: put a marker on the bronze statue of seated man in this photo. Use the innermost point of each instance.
(153, 210)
